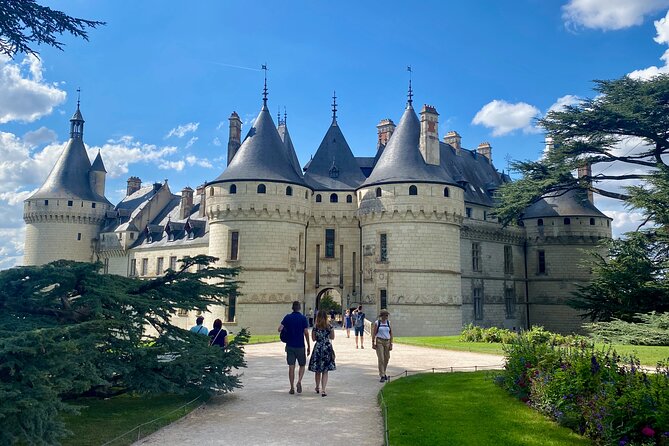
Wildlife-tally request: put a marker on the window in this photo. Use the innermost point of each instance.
(383, 298)
(508, 259)
(510, 303)
(349, 198)
(540, 222)
(93, 205)
(145, 267)
(541, 265)
(70, 202)
(234, 245)
(105, 265)
(567, 221)
(133, 267)
(383, 247)
(592, 222)
(329, 243)
(608, 223)
(262, 189)
(289, 191)
(478, 303)
(318, 198)
(132, 236)
(413, 190)
(334, 198)
(468, 211)
(173, 263)
(476, 256)
(233, 189)
(306, 194)
(232, 307)
(378, 191)
(159, 265)
(446, 193)
(485, 215)
(46, 202)
(182, 312)
(78, 235)
(211, 191)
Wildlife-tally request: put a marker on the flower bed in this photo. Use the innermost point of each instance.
(595, 392)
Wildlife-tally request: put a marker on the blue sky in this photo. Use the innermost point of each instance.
(161, 78)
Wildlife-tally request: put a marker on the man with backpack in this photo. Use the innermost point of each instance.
(359, 327)
(382, 342)
(294, 330)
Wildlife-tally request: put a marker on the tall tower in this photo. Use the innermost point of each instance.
(64, 217)
(410, 213)
(234, 138)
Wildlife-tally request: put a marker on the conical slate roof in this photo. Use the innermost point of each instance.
(573, 203)
(98, 165)
(290, 149)
(334, 167)
(401, 160)
(262, 156)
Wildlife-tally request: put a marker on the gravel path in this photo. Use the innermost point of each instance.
(263, 413)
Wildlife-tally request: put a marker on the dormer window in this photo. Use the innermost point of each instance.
(70, 202)
(333, 172)
(170, 237)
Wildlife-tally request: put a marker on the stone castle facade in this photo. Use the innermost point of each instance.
(410, 229)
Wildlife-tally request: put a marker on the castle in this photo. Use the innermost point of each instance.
(410, 229)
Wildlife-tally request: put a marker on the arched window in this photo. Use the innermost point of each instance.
(211, 191)
(334, 198)
(306, 194)
(262, 189)
(233, 189)
(289, 191)
(446, 192)
(413, 190)
(540, 222)
(378, 191)
(592, 222)
(318, 198)
(349, 198)
(567, 221)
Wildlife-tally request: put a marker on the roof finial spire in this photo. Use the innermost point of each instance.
(285, 115)
(410, 94)
(78, 97)
(334, 106)
(278, 115)
(264, 91)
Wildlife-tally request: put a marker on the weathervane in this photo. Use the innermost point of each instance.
(285, 115)
(410, 95)
(78, 96)
(334, 105)
(264, 91)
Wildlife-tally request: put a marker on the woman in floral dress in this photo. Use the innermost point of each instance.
(323, 357)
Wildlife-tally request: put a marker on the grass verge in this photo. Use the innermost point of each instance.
(465, 409)
(647, 354)
(103, 420)
(263, 339)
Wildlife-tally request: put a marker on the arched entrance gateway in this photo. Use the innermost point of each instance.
(330, 300)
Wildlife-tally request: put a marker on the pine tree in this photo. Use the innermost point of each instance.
(67, 330)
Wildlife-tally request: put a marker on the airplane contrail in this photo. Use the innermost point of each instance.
(236, 66)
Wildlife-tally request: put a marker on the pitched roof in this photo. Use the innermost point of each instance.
(290, 149)
(401, 160)
(334, 167)
(98, 165)
(262, 156)
(573, 203)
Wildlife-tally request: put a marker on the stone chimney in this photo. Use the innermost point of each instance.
(455, 140)
(586, 171)
(385, 129)
(429, 134)
(235, 137)
(134, 184)
(186, 202)
(201, 191)
(485, 149)
(549, 144)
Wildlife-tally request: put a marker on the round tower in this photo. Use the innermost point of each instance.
(63, 218)
(257, 210)
(560, 231)
(410, 213)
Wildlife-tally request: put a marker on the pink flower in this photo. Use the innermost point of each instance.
(648, 431)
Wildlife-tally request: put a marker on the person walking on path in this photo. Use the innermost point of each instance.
(218, 335)
(297, 329)
(348, 323)
(198, 327)
(382, 342)
(323, 359)
(359, 327)
(311, 317)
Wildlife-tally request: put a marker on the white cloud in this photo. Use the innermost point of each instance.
(42, 135)
(504, 117)
(195, 161)
(562, 102)
(172, 165)
(24, 96)
(118, 154)
(181, 130)
(662, 37)
(191, 141)
(609, 14)
(217, 142)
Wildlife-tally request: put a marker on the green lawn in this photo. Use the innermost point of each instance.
(648, 355)
(103, 420)
(263, 339)
(465, 409)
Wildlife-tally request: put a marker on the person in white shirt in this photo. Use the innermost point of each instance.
(382, 342)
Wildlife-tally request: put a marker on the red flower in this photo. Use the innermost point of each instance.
(648, 431)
